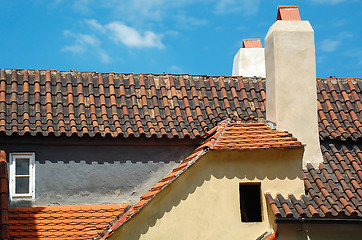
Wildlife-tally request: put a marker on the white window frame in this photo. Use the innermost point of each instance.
(12, 177)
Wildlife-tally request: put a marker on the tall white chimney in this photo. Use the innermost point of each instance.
(250, 60)
(291, 94)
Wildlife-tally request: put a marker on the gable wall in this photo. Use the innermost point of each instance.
(203, 203)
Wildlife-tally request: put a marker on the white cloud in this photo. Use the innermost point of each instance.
(81, 6)
(116, 31)
(176, 69)
(186, 21)
(128, 36)
(329, 45)
(132, 38)
(146, 11)
(84, 43)
(154, 10)
(81, 42)
(94, 24)
(328, 1)
(248, 7)
(78, 6)
(104, 56)
(354, 53)
(75, 48)
(321, 59)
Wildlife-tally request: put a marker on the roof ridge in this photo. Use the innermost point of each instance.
(219, 132)
(40, 71)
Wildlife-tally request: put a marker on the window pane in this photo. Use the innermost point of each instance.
(22, 185)
(22, 166)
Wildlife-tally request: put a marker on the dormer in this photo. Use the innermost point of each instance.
(218, 192)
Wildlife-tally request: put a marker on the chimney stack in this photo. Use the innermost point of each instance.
(250, 60)
(291, 92)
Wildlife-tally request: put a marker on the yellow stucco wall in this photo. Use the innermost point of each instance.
(203, 203)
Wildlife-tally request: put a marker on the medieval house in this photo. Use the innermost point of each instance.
(272, 152)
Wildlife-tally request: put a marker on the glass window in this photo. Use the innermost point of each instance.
(22, 176)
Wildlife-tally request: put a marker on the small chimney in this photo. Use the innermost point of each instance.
(250, 60)
(291, 94)
(288, 13)
(252, 43)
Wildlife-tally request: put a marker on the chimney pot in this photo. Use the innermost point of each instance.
(252, 43)
(288, 13)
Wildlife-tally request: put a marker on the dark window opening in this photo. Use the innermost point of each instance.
(250, 205)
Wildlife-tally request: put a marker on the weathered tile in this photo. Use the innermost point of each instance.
(62, 222)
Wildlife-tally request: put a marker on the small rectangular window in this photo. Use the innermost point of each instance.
(22, 176)
(250, 204)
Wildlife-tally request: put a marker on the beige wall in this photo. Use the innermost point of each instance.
(203, 203)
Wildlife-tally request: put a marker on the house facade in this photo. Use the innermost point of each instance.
(143, 156)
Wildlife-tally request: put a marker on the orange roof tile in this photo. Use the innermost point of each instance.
(227, 136)
(246, 136)
(62, 222)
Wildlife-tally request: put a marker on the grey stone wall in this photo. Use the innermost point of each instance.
(97, 174)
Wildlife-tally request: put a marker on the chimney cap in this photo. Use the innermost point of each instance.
(288, 13)
(252, 43)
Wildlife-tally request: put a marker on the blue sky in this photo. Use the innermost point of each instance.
(156, 36)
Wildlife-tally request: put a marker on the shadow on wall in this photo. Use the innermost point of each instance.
(103, 154)
(262, 164)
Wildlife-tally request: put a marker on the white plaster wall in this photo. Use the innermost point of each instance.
(249, 62)
(291, 92)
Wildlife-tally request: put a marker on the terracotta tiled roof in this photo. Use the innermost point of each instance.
(340, 108)
(4, 220)
(333, 191)
(249, 136)
(62, 222)
(249, 133)
(72, 103)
